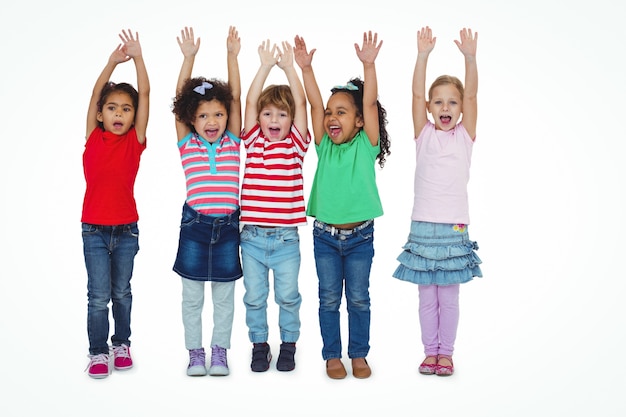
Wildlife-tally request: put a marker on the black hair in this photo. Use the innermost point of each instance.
(357, 97)
(110, 88)
(187, 100)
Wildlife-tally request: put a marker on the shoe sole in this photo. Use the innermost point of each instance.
(218, 371)
(196, 371)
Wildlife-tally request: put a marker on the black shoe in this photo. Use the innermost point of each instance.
(261, 357)
(286, 361)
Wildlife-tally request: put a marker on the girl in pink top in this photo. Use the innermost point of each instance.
(439, 255)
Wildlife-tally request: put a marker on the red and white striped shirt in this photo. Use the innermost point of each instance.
(272, 191)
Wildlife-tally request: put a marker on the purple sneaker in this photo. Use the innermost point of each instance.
(197, 363)
(219, 363)
(99, 366)
(122, 357)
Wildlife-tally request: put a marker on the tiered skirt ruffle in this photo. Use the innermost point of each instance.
(438, 254)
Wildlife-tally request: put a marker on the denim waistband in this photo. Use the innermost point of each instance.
(217, 219)
(333, 230)
(123, 227)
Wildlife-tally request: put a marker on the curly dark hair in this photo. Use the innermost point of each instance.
(110, 88)
(187, 100)
(357, 96)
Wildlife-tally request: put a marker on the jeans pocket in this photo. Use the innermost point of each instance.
(88, 228)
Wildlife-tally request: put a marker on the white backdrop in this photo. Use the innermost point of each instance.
(541, 334)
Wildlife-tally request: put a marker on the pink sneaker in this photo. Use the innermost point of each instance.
(99, 366)
(122, 360)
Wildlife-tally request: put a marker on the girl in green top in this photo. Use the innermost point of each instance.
(350, 136)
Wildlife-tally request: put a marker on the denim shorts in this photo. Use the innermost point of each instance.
(208, 247)
(438, 254)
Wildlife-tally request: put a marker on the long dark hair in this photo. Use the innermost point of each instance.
(357, 96)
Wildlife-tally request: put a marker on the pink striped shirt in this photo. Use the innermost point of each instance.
(212, 173)
(272, 191)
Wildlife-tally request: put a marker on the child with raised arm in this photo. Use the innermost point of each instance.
(208, 120)
(350, 135)
(439, 256)
(272, 205)
(117, 119)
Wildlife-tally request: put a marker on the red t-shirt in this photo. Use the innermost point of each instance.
(110, 164)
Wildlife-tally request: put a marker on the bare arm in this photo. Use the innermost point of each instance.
(189, 48)
(425, 44)
(233, 45)
(132, 48)
(467, 45)
(304, 60)
(117, 57)
(286, 64)
(367, 54)
(269, 58)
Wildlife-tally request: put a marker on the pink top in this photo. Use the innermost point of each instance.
(442, 170)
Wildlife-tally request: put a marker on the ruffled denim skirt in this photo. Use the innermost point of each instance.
(438, 254)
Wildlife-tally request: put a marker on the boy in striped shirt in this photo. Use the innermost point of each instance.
(272, 204)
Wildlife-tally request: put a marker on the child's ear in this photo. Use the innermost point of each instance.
(99, 117)
(428, 106)
(359, 121)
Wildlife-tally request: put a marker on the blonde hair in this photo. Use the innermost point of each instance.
(444, 80)
(279, 96)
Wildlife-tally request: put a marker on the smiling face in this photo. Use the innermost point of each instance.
(118, 113)
(445, 106)
(210, 120)
(275, 123)
(341, 119)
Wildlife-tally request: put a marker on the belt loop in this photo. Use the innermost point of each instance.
(332, 230)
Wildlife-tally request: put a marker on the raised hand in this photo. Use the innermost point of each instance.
(188, 46)
(131, 45)
(369, 51)
(118, 55)
(302, 57)
(467, 44)
(425, 40)
(285, 56)
(269, 56)
(233, 42)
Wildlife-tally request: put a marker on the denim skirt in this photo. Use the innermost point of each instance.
(438, 254)
(208, 247)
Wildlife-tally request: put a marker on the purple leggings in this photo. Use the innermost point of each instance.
(439, 318)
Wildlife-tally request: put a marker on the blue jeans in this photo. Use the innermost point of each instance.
(344, 258)
(109, 257)
(278, 249)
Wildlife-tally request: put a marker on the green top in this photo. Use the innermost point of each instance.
(344, 188)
